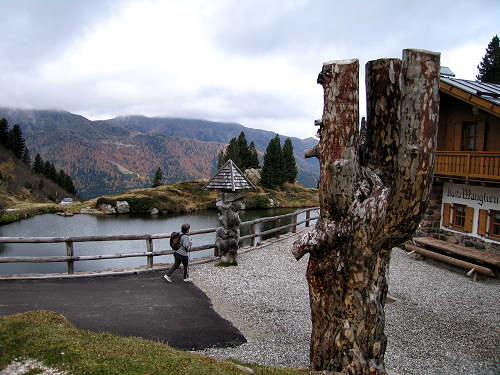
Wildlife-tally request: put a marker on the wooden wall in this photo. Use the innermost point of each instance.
(453, 113)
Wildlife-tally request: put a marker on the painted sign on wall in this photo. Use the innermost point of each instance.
(474, 198)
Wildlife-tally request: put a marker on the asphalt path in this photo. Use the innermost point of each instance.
(143, 305)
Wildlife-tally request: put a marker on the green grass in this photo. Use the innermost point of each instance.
(222, 264)
(51, 339)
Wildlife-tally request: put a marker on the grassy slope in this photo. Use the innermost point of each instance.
(51, 339)
(188, 196)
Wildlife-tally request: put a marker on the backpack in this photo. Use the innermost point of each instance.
(175, 240)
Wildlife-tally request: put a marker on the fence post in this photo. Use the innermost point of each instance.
(252, 231)
(294, 228)
(69, 252)
(149, 246)
(308, 215)
(278, 221)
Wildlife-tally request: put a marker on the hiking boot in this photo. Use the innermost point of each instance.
(188, 280)
(167, 278)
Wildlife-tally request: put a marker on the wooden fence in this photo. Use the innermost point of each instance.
(150, 252)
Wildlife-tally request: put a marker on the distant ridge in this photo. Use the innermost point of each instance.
(107, 157)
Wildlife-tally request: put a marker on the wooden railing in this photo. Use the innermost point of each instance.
(150, 252)
(468, 165)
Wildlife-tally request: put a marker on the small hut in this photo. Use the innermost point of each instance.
(231, 182)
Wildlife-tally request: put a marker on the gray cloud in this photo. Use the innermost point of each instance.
(257, 34)
(36, 30)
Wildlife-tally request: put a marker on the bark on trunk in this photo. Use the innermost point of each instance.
(372, 197)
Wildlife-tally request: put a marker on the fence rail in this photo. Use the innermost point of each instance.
(468, 164)
(150, 252)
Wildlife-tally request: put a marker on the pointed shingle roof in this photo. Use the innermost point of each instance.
(230, 178)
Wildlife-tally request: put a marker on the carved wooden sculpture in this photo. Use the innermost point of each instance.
(372, 197)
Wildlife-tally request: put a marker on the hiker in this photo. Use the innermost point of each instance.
(181, 255)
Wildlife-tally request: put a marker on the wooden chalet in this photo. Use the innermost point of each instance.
(464, 208)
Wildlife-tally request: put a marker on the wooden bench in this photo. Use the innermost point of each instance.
(475, 261)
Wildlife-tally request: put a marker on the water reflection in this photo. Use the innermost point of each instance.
(87, 225)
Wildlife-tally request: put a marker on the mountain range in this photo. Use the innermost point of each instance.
(110, 156)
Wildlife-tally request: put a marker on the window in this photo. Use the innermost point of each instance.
(459, 216)
(495, 223)
(462, 217)
(469, 136)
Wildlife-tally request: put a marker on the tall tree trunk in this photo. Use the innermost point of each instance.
(372, 197)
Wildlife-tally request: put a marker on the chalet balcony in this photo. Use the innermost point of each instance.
(468, 165)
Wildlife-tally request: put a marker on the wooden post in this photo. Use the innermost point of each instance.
(294, 228)
(252, 231)
(278, 221)
(69, 252)
(308, 215)
(149, 246)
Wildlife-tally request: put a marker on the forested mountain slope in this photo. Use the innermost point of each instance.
(107, 157)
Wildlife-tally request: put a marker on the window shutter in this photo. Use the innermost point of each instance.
(483, 219)
(446, 214)
(469, 217)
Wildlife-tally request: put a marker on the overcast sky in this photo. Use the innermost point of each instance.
(253, 62)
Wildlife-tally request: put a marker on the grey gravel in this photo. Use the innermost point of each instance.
(441, 323)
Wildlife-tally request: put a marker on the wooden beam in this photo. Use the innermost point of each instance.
(456, 262)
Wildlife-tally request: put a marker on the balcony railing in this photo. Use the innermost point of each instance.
(468, 165)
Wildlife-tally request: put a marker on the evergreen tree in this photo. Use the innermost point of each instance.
(157, 180)
(49, 171)
(26, 156)
(254, 157)
(272, 168)
(61, 178)
(243, 152)
(68, 185)
(289, 165)
(38, 164)
(16, 141)
(233, 152)
(4, 132)
(221, 159)
(489, 68)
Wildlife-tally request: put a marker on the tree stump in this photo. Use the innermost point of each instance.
(372, 196)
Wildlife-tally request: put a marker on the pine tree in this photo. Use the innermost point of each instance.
(254, 157)
(68, 185)
(244, 152)
(289, 165)
(4, 132)
(272, 168)
(49, 171)
(26, 156)
(240, 153)
(38, 164)
(16, 141)
(233, 152)
(221, 159)
(157, 180)
(489, 68)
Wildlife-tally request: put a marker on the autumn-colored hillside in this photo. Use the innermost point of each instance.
(24, 193)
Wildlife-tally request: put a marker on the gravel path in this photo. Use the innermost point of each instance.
(441, 323)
